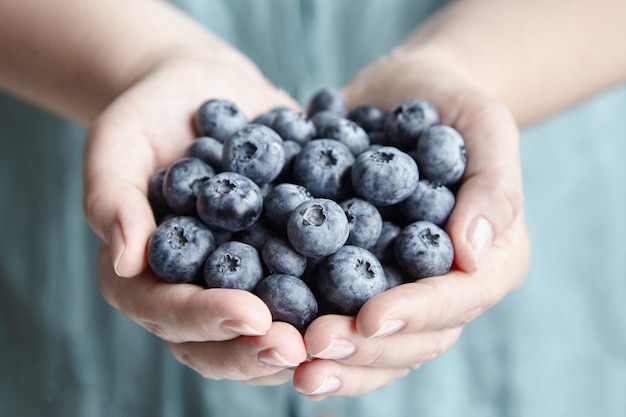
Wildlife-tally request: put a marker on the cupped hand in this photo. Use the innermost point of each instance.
(147, 127)
(405, 326)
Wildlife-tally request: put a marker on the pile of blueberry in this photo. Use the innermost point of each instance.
(314, 213)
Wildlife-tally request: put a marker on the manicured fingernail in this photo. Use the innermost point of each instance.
(338, 349)
(117, 245)
(481, 236)
(388, 328)
(241, 328)
(329, 385)
(272, 358)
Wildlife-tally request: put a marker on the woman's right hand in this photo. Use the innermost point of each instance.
(221, 334)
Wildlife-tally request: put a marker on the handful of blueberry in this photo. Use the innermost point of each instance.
(314, 213)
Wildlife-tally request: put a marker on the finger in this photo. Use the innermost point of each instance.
(245, 358)
(320, 378)
(183, 312)
(118, 162)
(452, 300)
(278, 378)
(491, 194)
(334, 337)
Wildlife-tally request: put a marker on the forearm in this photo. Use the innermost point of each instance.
(538, 57)
(74, 56)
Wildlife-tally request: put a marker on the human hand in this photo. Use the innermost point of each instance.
(150, 126)
(408, 325)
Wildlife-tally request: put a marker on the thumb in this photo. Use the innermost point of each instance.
(115, 205)
(491, 195)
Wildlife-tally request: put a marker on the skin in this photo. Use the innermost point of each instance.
(122, 75)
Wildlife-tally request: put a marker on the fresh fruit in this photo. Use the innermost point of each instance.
(314, 214)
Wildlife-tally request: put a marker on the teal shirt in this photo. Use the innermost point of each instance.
(556, 347)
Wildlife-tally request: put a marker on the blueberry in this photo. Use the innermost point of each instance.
(423, 249)
(292, 125)
(318, 227)
(347, 132)
(266, 118)
(323, 168)
(219, 118)
(281, 258)
(229, 201)
(430, 201)
(209, 150)
(156, 198)
(234, 265)
(440, 154)
(406, 122)
(350, 277)
(292, 150)
(395, 276)
(321, 118)
(383, 249)
(327, 99)
(377, 137)
(289, 300)
(178, 248)
(181, 182)
(370, 117)
(255, 151)
(255, 235)
(281, 201)
(384, 176)
(364, 220)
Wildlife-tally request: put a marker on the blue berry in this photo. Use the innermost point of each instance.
(255, 151)
(156, 198)
(370, 117)
(181, 182)
(329, 99)
(292, 150)
(321, 118)
(364, 220)
(289, 300)
(423, 249)
(395, 276)
(347, 132)
(209, 150)
(178, 248)
(281, 258)
(266, 118)
(406, 122)
(219, 118)
(234, 265)
(291, 125)
(384, 176)
(281, 201)
(430, 201)
(350, 277)
(323, 168)
(318, 227)
(255, 235)
(383, 249)
(229, 201)
(440, 154)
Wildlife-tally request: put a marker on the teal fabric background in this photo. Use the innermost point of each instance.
(555, 347)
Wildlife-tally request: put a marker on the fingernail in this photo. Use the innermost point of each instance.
(329, 385)
(481, 236)
(272, 358)
(338, 349)
(241, 328)
(117, 245)
(388, 328)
